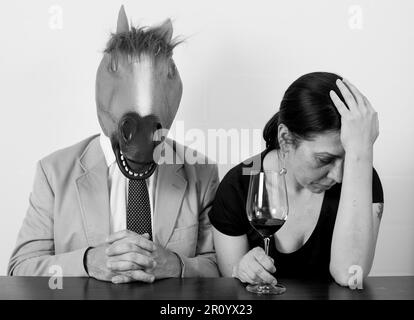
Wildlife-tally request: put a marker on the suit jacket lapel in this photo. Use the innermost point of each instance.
(170, 189)
(93, 193)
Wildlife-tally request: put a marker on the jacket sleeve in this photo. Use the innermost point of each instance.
(34, 253)
(204, 264)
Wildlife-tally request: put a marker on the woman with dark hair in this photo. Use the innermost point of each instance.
(323, 135)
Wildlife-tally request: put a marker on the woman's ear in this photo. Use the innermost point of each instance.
(285, 139)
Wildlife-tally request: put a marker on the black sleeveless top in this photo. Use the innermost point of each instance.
(228, 215)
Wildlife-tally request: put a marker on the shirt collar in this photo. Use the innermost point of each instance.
(107, 149)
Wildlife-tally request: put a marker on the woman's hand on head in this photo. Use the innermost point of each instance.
(255, 267)
(359, 124)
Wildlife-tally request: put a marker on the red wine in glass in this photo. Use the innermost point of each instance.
(267, 227)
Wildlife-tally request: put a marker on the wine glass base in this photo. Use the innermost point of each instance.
(266, 289)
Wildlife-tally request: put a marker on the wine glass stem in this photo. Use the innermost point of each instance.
(266, 245)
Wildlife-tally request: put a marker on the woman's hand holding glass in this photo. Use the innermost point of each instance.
(255, 268)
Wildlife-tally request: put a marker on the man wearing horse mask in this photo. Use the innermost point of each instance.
(124, 205)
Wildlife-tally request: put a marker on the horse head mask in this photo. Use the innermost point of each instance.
(138, 91)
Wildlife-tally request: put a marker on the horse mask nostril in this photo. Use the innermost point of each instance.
(128, 128)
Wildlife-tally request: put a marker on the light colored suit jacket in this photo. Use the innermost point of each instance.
(69, 211)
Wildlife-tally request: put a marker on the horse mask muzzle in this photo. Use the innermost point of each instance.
(133, 144)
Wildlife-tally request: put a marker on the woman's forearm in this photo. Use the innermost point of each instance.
(353, 236)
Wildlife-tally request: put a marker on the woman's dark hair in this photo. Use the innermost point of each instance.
(306, 109)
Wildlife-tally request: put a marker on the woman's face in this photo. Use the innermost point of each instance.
(317, 164)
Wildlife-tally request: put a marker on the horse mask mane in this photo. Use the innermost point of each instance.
(138, 92)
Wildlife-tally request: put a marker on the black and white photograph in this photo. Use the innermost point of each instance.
(207, 155)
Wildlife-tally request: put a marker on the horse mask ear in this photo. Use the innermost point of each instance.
(165, 30)
(122, 24)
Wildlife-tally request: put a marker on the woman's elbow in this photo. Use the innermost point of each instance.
(340, 280)
(351, 277)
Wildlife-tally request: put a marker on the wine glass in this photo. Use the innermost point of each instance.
(267, 209)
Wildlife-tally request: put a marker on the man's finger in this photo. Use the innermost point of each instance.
(125, 246)
(120, 235)
(136, 275)
(117, 266)
(139, 259)
(124, 234)
(121, 279)
(141, 241)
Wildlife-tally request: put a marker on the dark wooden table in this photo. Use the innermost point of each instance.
(401, 288)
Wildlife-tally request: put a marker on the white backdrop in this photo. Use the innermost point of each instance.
(238, 59)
